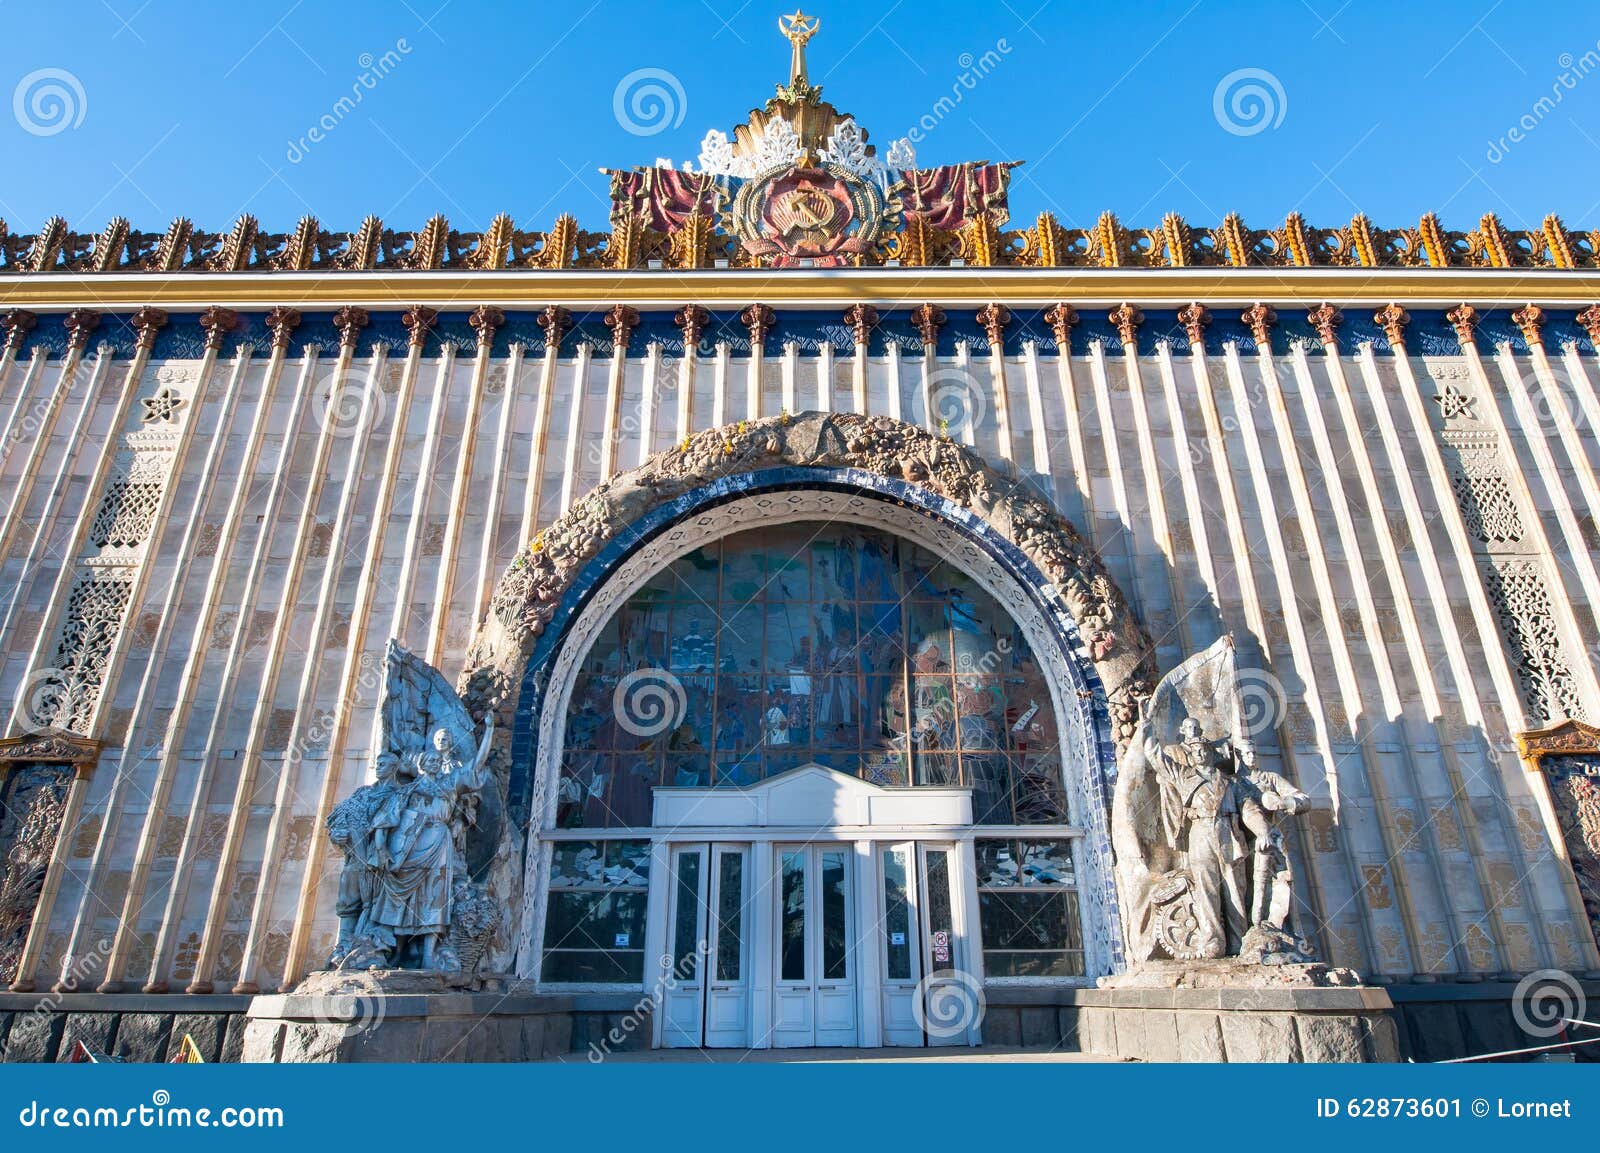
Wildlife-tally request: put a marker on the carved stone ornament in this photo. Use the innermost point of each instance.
(1531, 321)
(1194, 318)
(1393, 320)
(692, 320)
(994, 318)
(621, 320)
(1326, 319)
(148, 323)
(217, 323)
(1126, 319)
(282, 322)
(862, 319)
(418, 319)
(1567, 757)
(17, 322)
(928, 319)
(1589, 319)
(1202, 869)
(1061, 318)
(554, 322)
(759, 319)
(1259, 319)
(1464, 319)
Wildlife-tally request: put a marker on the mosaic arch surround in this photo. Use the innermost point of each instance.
(560, 590)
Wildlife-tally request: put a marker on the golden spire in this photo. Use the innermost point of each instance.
(798, 29)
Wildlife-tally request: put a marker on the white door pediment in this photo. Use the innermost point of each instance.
(811, 796)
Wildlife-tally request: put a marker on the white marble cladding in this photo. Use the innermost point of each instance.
(1403, 547)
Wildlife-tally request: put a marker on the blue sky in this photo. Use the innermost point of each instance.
(204, 110)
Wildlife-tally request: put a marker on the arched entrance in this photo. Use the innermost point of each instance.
(762, 876)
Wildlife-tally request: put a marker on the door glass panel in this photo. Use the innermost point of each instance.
(835, 933)
(896, 914)
(686, 924)
(941, 923)
(730, 912)
(793, 917)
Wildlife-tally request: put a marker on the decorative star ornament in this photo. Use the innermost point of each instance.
(1454, 403)
(163, 406)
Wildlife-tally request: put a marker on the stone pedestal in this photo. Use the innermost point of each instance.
(1231, 1010)
(405, 1016)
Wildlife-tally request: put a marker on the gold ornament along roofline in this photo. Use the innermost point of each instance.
(703, 243)
(880, 287)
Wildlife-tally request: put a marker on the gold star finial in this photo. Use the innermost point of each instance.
(798, 29)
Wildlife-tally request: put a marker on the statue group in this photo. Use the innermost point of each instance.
(1198, 827)
(407, 898)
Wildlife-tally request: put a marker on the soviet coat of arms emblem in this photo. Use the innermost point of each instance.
(821, 214)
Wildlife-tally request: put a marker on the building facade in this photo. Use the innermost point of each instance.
(813, 539)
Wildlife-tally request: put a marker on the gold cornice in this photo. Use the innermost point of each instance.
(1569, 738)
(892, 287)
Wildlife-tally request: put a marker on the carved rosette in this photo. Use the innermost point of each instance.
(1061, 318)
(1325, 321)
(1194, 318)
(282, 322)
(1464, 319)
(217, 323)
(928, 319)
(759, 319)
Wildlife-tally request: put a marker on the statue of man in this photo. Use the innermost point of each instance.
(348, 827)
(1202, 802)
(1269, 797)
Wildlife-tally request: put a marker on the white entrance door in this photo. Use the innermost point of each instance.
(707, 1001)
(814, 986)
(900, 937)
(940, 959)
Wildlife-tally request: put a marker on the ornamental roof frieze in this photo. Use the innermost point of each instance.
(707, 236)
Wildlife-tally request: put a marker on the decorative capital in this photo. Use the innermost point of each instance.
(282, 322)
(1590, 319)
(862, 319)
(1326, 319)
(554, 322)
(217, 323)
(17, 322)
(994, 318)
(1393, 320)
(486, 321)
(1464, 319)
(1061, 318)
(1194, 318)
(350, 321)
(1126, 318)
(759, 319)
(148, 322)
(1531, 320)
(1259, 319)
(418, 319)
(621, 320)
(692, 319)
(928, 319)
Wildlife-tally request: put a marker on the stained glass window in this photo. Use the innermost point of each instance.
(814, 642)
